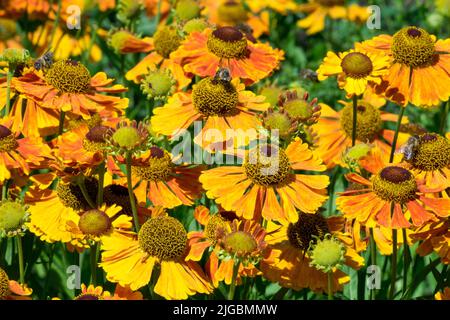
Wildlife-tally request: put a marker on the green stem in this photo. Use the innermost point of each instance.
(87, 53)
(373, 259)
(158, 14)
(93, 257)
(444, 115)
(50, 263)
(55, 24)
(5, 190)
(85, 193)
(62, 115)
(406, 260)
(233, 280)
(393, 261)
(101, 182)
(9, 76)
(130, 192)
(355, 112)
(397, 130)
(21, 265)
(330, 285)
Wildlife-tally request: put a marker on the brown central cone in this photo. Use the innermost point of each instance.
(395, 174)
(4, 132)
(228, 34)
(97, 133)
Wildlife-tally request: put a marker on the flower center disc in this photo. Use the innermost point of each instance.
(240, 243)
(368, 122)
(118, 195)
(11, 215)
(232, 12)
(298, 108)
(267, 165)
(432, 153)
(213, 229)
(163, 237)
(4, 284)
(166, 40)
(214, 97)
(69, 76)
(158, 167)
(308, 226)
(95, 139)
(357, 65)
(72, 197)
(413, 46)
(94, 222)
(8, 141)
(278, 121)
(395, 184)
(228, 43)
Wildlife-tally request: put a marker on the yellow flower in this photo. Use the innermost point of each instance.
(355, 69)
(130, 259)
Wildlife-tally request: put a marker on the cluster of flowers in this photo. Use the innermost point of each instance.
(75, 169)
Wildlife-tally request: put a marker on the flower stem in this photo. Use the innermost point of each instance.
(61, 122)
(373, 259)
(158, 14)
(130, 192)
(85, 193)
(93, 257)
(444, 115)
(101, 182)
(393, 261)
(21, 265)
(55, 24)
(330, 285)
(5, 189)
(355, 112)
(394, 142)
(9, 76)
(233, 280)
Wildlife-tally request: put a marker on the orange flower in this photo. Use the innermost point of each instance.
(203, 53)
(67, 86)
(429, 159)
(335, 130)
(420, 66)
(35, 9)
(434, 237)
(161, 47)
(288, 260)
(22, 154)
(370, 201)
(12, 290)
(222, 105)
(267, 183)
(215, 227)
(82, 147)
(157, 178)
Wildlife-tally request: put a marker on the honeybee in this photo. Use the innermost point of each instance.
(409, 148)
(309, 74)
(223, 74)
(45, 61)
